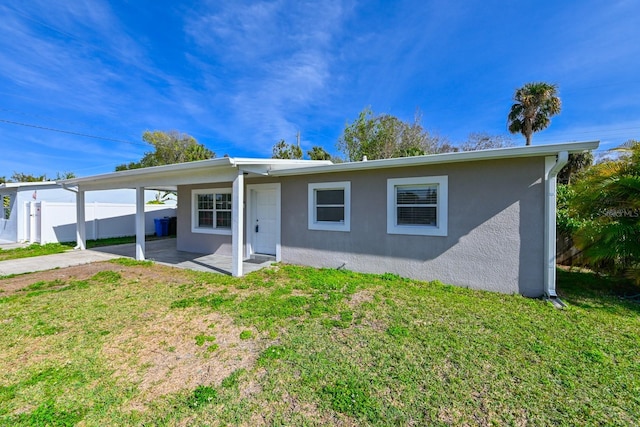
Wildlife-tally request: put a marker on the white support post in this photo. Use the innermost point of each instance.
(81, 225)
(140, 246)
(96, 220)
(32, 222)
(237, 224)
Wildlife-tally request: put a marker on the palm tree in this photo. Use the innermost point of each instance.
(534, 106)
(318, 153)
(606, 204)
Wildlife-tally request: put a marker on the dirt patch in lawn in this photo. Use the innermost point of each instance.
(169, 350)
(360, 297)
(179, 351)
(17, 283)
(79, 272)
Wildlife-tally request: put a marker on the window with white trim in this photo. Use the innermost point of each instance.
(211, 211)
(6, 207)
(417, 205)
(330, 206)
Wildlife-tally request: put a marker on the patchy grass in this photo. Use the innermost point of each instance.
(111, 241)
(246, 335)
(130, 262)
(34, 249)
(140, 344)
(37, 249)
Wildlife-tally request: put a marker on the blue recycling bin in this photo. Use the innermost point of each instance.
(161, 226)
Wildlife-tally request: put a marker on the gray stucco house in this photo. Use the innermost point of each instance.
(481, 219)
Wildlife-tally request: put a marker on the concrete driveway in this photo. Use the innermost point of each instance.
(48, 262)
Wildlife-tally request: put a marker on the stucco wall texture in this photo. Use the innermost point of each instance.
(197, 242)
(200, 242)
(495, 226)
(495, 231)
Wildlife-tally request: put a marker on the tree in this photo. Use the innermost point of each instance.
(161, 197)
(484, 141)
(64, 175)
(318, 153)
(628, 147)
(5, 213)
(169, 147)
(534, 106)
(25, 177)
(282, 150)
(607, 200)
(578, 162)
(385, 136)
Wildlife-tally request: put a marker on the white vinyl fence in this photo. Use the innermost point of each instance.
(50, 222)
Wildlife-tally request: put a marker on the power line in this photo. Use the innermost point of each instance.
(70, 132)
(57, 121)
(36, 116)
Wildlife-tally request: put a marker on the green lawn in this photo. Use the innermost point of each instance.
(36, 249)
(143, 344)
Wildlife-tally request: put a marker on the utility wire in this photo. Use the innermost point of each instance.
(57, 121)
(36, 116)
(70, 132)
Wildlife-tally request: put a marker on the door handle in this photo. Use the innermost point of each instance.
(257, 228)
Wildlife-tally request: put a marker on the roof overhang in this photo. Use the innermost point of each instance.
(168, 177)
(225, 169)
(457, 157)
(29, 185)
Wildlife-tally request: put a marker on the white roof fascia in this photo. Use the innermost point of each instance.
(242, 161)
(461, 156)
(177, 167)
(27, 184)
(157, 179)
(265, 166)
(169, 176)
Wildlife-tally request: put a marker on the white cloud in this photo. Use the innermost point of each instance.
(282, 50)
(610, 134)
(240, 75)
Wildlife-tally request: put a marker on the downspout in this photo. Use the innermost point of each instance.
(553, 165)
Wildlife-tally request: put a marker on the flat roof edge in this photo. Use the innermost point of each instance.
(219, 162)
(177, 167)
(27, 184)
(443, 158)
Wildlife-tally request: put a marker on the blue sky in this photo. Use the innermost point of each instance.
(241, 75)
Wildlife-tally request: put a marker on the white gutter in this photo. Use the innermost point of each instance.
(445, 158)
(64, 187)
(552, 168)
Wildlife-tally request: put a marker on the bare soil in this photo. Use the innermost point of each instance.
(78, 272)
(168, 359)
(160, 355)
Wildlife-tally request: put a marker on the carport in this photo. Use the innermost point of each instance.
(169, 177)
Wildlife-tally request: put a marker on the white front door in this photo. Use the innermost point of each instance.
(264, 224)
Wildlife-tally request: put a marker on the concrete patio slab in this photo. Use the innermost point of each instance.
(162, 251)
